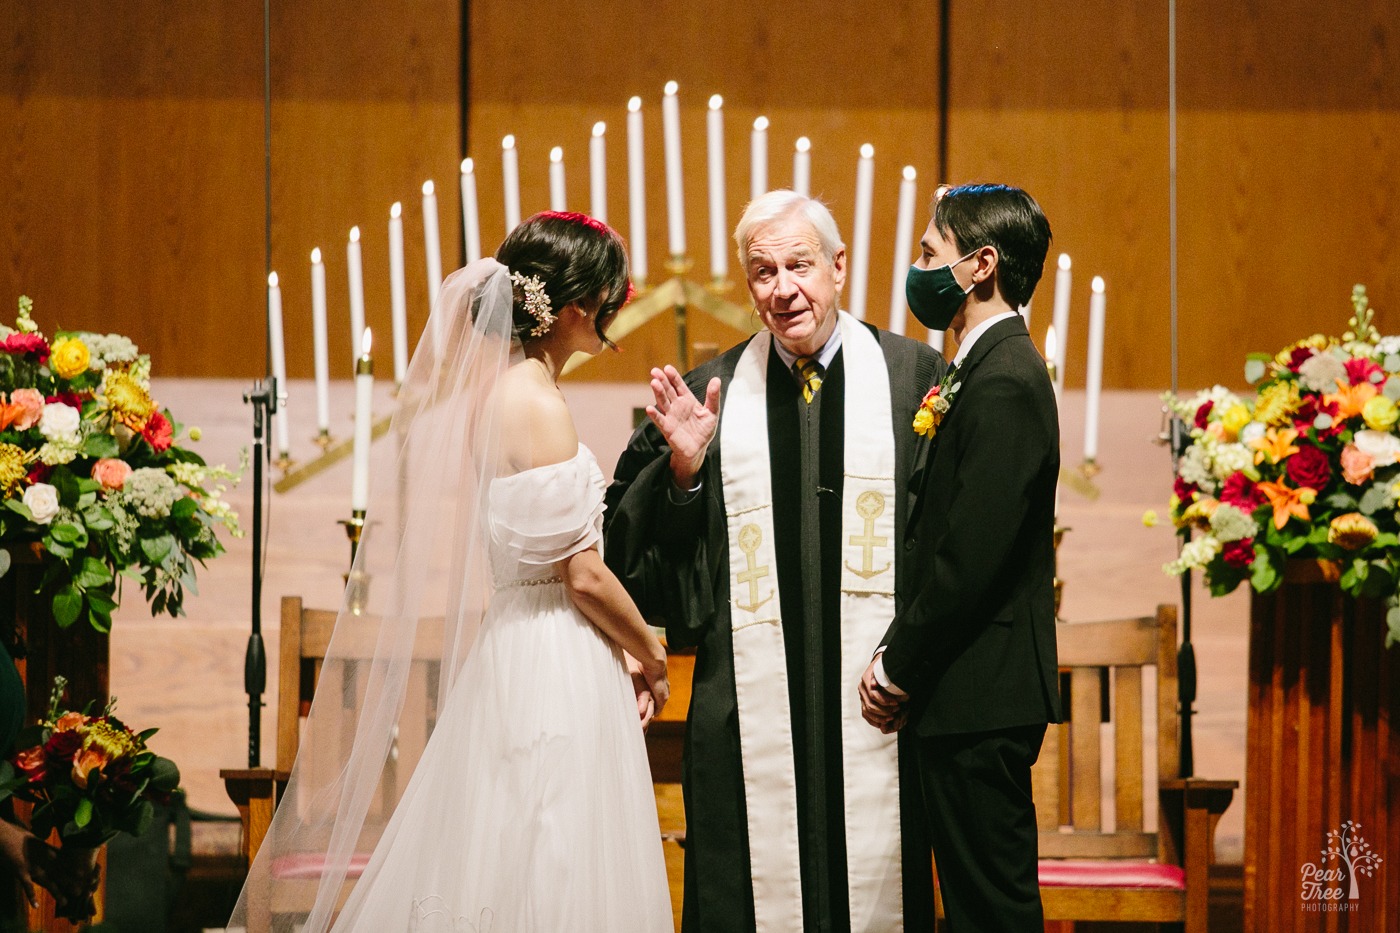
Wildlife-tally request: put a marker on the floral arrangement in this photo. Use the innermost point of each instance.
(89, 777)
(1309, 467)
(92, 469)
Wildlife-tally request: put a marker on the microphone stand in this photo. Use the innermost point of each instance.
(264, 399)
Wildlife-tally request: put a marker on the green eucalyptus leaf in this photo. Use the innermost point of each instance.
(100, 446)
(1376, 497)
(83, 814)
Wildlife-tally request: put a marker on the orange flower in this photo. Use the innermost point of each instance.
(1351, 399)
(69, 721)
(1287, 503)
(1275, 445)
(87, 761)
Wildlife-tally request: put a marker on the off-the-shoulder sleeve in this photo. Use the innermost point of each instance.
(546, 514)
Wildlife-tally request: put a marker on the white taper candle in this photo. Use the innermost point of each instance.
(356, 276)
(510, 178)
(471, 214)
(319, 351)
(598, 173)
(398, 296)
(719, 238)
(675, 192)
(1059, 316)
(860, 247)
(364, 414)
(636, 192)
(758, 158)
(557, 200)
(1093, 375)
(279, 360)
(903, 243)
(802, 166)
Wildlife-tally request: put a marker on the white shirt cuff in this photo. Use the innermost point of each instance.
(882, 678)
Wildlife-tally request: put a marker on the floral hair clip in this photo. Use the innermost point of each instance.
(536, 302)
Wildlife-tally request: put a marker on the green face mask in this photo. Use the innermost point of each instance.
(934, 295)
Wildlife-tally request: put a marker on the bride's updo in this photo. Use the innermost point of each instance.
(578, 260)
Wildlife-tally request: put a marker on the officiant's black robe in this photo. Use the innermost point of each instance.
(671, 552)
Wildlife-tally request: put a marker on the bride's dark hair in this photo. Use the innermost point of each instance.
(580, 260)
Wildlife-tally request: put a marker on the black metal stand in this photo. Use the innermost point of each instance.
(1186, 652)
(263, 398)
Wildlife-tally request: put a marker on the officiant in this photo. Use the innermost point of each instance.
(758, 517)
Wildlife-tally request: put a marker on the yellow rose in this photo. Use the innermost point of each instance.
(69, 357)
(1234, 420)
(1380, 413)
(923, 421)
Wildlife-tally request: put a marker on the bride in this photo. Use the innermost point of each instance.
(531, 807)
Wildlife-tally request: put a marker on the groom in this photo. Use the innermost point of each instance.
(765, 533)
(970, 660)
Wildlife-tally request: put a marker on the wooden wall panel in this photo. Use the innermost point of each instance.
(131, 165)
(842, 74)
(1288, 130)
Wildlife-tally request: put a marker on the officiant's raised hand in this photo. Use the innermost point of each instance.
(687, 424)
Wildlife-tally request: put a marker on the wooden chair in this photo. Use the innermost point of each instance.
(305, 636)
(665, 741)
(1092, 871)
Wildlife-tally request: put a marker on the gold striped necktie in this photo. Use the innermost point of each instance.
(809, 373)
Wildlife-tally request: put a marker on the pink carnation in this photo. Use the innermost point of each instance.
(1361, 369)
(26, 343)
(31, 405)
(158, 432)
(111, 473)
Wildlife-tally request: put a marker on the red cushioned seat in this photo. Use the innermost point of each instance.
(1083, 873)
(306, 865)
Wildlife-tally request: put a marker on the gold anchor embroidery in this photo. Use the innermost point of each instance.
(750, 537)
(870, 505)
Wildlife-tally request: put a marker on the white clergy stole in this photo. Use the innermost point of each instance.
(870, 764)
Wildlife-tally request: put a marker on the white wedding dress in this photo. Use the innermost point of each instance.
(531, 808)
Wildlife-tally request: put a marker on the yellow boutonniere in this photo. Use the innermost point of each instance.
(934, 407)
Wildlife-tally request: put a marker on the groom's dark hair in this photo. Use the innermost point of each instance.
(973, 216)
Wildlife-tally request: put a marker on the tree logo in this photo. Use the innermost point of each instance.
(1328, 883)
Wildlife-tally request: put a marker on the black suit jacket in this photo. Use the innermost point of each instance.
(974, 639)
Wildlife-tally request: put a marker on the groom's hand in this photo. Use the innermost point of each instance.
(646, 703)
(687, 424)
(878, 706)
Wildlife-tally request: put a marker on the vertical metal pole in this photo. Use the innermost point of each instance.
(1186, 653)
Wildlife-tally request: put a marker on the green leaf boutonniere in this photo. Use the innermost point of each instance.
(934, 408)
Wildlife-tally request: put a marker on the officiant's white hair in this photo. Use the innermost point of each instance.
(779, 205)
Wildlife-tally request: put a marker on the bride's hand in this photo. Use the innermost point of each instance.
(660, 685)
(646, 703)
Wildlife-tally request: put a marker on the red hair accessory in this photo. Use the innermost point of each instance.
(578, 218)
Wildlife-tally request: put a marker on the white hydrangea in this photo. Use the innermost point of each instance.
(1229, 523)
(1195, 555)
(150, 491)
(1388, 345)
(1229, 459)
(1195, 467)
(61, 450)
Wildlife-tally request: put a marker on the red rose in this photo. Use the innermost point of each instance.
(30, 763)
(1185, 491)
(1203, 414)
(63, 745)
(158, 432)
(1239, 490)
(26, 343)
(39, 473)
(1309, 467)
(1299, 356)
(1239, 553)
(70, 399)
(1361, 370)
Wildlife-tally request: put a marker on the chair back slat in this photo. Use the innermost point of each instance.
(1045, 783)
(1085, 742)
(1098, 845)
(1127, 748)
